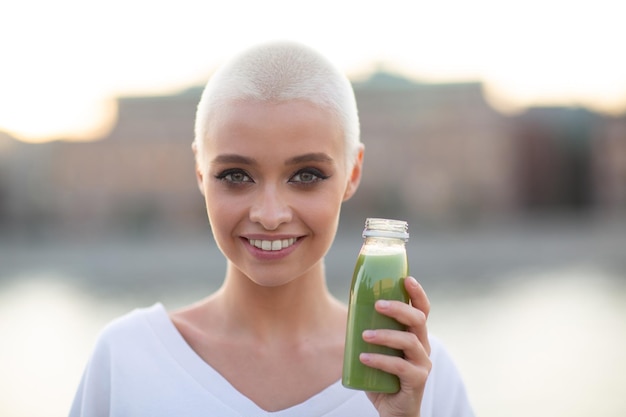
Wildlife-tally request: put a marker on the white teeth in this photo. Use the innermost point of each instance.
(272, 245)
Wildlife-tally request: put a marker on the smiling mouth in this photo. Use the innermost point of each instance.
(272, 245)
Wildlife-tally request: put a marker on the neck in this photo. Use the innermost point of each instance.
(291, 310)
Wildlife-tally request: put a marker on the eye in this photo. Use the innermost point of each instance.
(308, 176)
(234, 176)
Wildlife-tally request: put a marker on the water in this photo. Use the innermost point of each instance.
(536, 321)
(546, 344)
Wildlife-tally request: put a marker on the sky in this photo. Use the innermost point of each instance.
(63, 62)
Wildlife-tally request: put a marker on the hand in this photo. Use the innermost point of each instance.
(414, 368)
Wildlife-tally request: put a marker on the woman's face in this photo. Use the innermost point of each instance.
(274, 177)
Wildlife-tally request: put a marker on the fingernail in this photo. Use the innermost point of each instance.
(413, 282)
(383, 304)
(369, 334)
(365, 357)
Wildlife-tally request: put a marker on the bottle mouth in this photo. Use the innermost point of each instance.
(378, 227)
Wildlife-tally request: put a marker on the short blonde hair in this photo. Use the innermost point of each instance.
(282, 71)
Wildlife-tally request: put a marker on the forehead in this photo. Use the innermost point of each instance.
(291, 126)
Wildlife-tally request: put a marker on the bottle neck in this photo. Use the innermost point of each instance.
(383, 241)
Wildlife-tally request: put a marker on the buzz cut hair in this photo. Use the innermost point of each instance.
(279, 72)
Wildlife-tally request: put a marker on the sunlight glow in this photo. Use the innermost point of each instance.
(60, 115)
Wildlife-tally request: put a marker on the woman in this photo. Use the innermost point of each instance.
(277, 153)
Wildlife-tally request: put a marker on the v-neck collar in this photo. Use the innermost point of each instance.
(218, 386)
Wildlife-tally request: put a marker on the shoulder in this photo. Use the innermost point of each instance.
(130, 356)
(439, 353)
(133, 320)
(130, 329)
(125, 342)
(443, 365)
(445, 393)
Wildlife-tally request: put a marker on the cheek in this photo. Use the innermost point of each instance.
(222, 213)
(321, 211)
(222, 223)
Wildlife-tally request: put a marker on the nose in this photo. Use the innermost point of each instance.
(270, 208)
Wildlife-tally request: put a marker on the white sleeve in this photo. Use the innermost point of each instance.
(445, 394)
(92, 397)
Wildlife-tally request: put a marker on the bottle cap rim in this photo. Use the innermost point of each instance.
(378, 227)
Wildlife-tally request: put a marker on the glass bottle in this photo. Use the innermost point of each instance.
(379, 273)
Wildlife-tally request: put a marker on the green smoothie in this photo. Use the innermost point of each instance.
(376, 276)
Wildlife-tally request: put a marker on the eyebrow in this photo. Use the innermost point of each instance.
(309, 157)
(233, 159)
(300, 159)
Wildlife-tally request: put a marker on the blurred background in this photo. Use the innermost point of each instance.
(498, 130)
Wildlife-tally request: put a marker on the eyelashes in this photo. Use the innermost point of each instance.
(234, 176)
(308, 176)
(304, 177)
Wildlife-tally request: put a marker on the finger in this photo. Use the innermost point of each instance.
(414, 351)
(418, 296)
(413, 375)
(413, 318)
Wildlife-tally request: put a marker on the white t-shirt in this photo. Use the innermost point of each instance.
(142, 366)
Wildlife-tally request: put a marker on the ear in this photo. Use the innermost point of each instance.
(354, 178)
(199, 176)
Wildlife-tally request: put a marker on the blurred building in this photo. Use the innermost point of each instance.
(608, 153)
(138, 179)
(434, 153)
(554, 158)
(142, 175)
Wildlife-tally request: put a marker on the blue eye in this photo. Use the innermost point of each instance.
(308, 176)
(234, 176)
